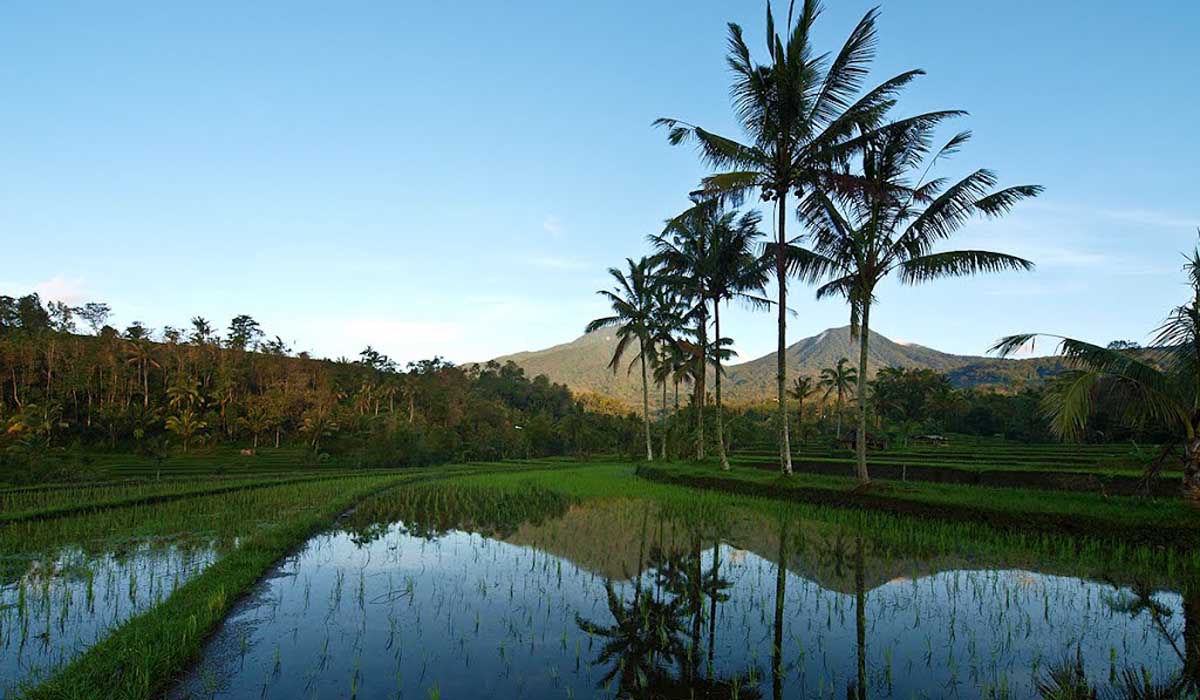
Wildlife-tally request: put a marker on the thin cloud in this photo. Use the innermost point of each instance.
(553, 226)
(555, 262)
(68, 290)
(1151, 218)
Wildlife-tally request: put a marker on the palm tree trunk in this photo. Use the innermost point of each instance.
(712, 603)
(860, 439)
(646, 407)
(860, 601)
(662, 453)
(839, 415)
(1191, 470)
(701, 381)
(785, 448)
(800, 420)
(717, 388)
(780, 595)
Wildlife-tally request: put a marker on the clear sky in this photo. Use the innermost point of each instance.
(454, 177)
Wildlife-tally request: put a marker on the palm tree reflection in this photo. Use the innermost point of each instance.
(651, 649)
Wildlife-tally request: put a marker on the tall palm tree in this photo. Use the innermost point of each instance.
(684, 252)
(141, 354)
(737, 273)
(802, 388)
(632, 300)
(710, 257)
(801, 116)
(889, 219)
(838, 381)
(1158, 386)
(669, 322)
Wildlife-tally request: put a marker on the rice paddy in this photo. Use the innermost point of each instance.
(61, 605)
(67, 582)
(590, 583)
(554, 578)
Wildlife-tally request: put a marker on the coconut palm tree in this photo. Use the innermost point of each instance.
(838, 381)
(737, 273)
(633, 305)
(669, 323)
(684, 253)
(186, 425)
(1158, 386)
(802, 388)
(889, 218)
(141, 355)
(801, 116)
(710, 257)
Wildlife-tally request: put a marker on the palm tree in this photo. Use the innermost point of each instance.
(668, 323)
(317, 423)
(710, 257)
(800, 114)
(736, 273)
(632, 300)
(1159, 386)
(202, 331)
(802, 388)
(185, 394)
(186, 425)
(683, 250)
(838, 381)
(141, 354)
(889, 218)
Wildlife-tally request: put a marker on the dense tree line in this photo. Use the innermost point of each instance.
(180, 390)
(904, 404)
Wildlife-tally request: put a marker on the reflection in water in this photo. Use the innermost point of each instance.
(644, 648)
(624, 598)
(60, 606)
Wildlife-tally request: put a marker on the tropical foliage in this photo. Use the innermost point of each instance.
(803, 115)
(889, 218)
(1158, 386)
(64, 392)
(709, 258)
(633, 305)
(837, 382)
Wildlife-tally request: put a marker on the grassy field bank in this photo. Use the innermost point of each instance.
(1157, 521)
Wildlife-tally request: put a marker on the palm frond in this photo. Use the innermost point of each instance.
(958, 263)
(847, 71)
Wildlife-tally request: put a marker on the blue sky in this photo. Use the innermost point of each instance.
(454, 178)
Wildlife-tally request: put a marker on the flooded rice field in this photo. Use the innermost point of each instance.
(53, 608)
(440, 592)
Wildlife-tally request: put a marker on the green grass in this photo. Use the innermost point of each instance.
(1170, 522)
(974, 543)
(63, 502)
(101, 465)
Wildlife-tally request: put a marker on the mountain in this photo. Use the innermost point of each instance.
(582, 365)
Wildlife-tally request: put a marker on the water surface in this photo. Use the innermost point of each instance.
(617, 597)
(55, 607)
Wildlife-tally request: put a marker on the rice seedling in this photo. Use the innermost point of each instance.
(606, 576)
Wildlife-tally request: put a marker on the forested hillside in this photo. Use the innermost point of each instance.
(63, 389)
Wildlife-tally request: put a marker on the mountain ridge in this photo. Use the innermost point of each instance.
(583, 365)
